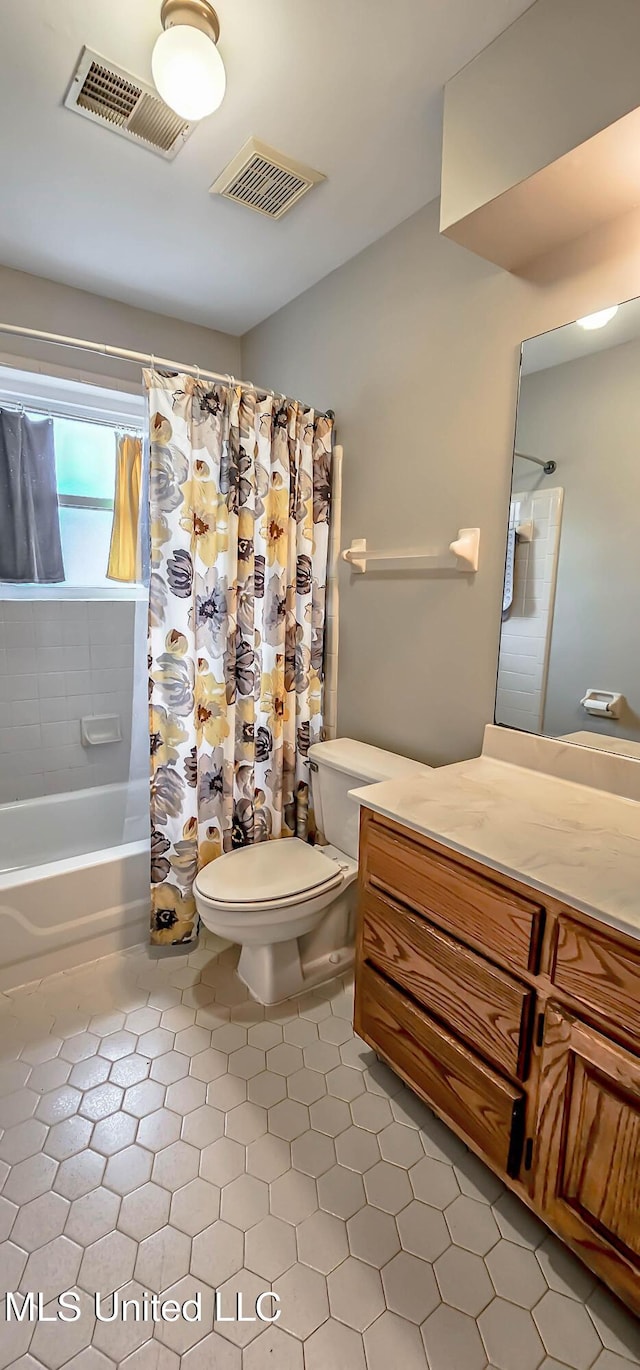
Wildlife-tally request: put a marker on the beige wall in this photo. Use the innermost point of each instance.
(586, 416)
(34, 302)
(414, 343)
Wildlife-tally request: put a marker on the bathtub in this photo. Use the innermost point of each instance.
(74, 879)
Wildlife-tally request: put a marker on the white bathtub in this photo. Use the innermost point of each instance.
(71, 889)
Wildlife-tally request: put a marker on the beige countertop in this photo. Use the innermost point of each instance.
(569, 840)
(603, 742)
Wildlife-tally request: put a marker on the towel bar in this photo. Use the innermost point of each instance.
(464, 548)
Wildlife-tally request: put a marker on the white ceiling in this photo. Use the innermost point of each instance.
(352, 87)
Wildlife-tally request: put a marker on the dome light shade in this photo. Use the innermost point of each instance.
(188, 70)
(603, 316)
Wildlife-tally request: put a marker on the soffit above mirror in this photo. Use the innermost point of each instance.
(541, 131)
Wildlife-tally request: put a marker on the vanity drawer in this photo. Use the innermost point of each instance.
(488, 1110)
(479, 1002)
(600, 970)
(462, 902)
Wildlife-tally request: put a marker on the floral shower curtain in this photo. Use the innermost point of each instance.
(239, 506)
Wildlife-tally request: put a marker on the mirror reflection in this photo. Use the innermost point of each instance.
(570, 642)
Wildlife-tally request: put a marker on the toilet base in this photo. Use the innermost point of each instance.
(281, 970)
(274, 973)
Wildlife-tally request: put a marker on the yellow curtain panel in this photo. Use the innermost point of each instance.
(124, 559)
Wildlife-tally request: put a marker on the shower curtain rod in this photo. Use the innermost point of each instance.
(139, 358)
(547, 466)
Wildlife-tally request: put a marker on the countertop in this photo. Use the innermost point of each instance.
(580, 844)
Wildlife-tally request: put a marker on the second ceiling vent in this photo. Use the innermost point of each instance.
(265, 180)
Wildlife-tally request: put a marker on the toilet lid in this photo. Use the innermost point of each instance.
(267, 873)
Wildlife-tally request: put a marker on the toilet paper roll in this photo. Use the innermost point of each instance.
(599, 707)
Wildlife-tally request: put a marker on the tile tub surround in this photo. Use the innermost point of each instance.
(578, 844)
(164, 1132)
(60, 660)
(525, 637)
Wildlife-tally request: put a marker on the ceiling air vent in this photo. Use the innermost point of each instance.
(265, 180)
(117, 100)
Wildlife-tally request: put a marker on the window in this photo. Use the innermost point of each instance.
(85, 471)
(86, 423)
(85, 461)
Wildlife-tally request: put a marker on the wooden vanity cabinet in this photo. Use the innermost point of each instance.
(517, 1019)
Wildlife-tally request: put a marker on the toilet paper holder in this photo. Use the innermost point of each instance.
(603, 703)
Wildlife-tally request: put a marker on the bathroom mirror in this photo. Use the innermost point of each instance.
(569, 662)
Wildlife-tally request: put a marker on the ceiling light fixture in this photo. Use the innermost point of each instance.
(187, 68)
(604, 316)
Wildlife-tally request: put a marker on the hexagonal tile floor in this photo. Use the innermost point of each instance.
(162, 1132)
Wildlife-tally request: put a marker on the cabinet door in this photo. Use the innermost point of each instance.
(588, 1148)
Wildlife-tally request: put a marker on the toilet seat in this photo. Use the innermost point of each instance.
(286, 871)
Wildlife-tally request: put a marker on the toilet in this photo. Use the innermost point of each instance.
(291, 906)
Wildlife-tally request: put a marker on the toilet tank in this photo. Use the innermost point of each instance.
(342, 765)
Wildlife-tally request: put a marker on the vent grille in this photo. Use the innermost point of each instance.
(106, 94)
(114, 98)
(265, 180)
(154, 122)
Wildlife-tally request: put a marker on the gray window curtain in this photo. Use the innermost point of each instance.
(30, 546)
